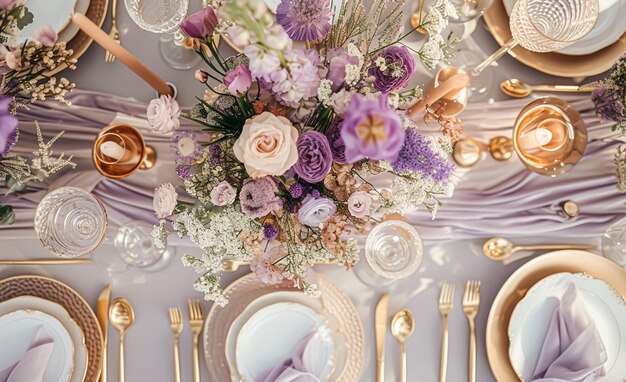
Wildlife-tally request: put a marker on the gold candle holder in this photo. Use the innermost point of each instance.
(119, 150)
(549, 136)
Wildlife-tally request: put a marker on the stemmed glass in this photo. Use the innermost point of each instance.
(546, 26)
(165, 16)
(614, 244)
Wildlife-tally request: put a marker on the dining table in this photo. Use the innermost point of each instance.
(488, 200)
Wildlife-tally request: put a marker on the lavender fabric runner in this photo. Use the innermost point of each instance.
(492, 198)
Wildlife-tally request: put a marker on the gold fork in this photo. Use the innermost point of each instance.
(471, 300)
(195, 323)
(176, 322)
(446, 299)
(113, 34)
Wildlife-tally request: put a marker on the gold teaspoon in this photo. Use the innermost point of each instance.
(500, 248)
(121, 316)
(416, 18)
(402, 326)
(519, 89)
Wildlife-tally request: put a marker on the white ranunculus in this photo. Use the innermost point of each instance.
(163, 114)
(164, 202)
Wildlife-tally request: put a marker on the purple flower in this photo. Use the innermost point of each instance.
(269, 231)
(314, 157)
(238, 80)
(296, 190)
(396, 71)
(315, 193)
(185, 146)
(200, 24)
(8, 127)
(215, 154)
(314, 212)
(418, 156)
(337, 146)
(337, 59)
(370, 129)
(183, 172)
(304, 19)
(6, 4)
(608, 107)
(258, 197)
(46, 35)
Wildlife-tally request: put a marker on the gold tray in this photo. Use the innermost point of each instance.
(76, 306)
(557, 64)
(248, 288)
(96, 12)
(516, 287)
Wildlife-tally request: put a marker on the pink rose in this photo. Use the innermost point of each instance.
(14, 60)
(238, 80)
(361, 204)
(223, 194)
(163, 114)
(267, 145)
(46, 36)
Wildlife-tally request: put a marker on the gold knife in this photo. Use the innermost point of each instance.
(102, 312)
(380, 324)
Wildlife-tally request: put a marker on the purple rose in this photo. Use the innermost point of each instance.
(314, 157)
(315, 211)
(396, 71)
(338, 58)
(370, 129)
(238, 80)
(8, 127)
(336, 142)
(200, 24)
(258, 197)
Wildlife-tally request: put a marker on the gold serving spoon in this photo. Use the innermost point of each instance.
(416, 18)
(519, 89)
(500, 248)
(402, 326)
(121, 316)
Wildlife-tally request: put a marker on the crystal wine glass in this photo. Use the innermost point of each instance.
(546, 26)
(165, 16)
(70, 222)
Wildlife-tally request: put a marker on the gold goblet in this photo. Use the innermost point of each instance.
(549, 136)
(119, 150)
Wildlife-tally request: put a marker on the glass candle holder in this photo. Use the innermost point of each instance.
(119, 150)
(394, 249)
(549, 136)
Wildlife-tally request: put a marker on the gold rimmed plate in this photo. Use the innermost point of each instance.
(516, 287)
(556, 64)
(78, 309)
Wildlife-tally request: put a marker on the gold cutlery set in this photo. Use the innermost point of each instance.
(196, 320)
(403, 325)
(113, 34)
(121, 315)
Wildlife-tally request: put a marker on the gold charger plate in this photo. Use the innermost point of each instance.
(516, 287)
(557, 64)
(78, 309)
(248, 288)
(96, 12)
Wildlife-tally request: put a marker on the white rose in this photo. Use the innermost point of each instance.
(361, 204)
(267, 145)
(164, 201)
(163, 114)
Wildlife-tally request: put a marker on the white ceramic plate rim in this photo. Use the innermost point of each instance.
(591, 288)
(55, 330)
(62, 20)
(606, 32)
(60, 313)
(247, 331)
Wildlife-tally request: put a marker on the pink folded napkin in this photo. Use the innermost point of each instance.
(299, 367)
(572, 350)
(32, 365)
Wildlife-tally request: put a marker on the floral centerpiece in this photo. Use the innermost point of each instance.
(297, 128)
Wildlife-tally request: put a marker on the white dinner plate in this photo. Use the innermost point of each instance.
(610, 26)
(531, 317)
(55, 13)
(18, 329)
(60, 313)
(272, 334)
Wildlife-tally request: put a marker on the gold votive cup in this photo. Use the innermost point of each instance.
(126, 151)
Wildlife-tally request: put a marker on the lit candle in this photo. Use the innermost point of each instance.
(93, 31)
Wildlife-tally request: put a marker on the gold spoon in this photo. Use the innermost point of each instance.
(500, 248)
(416, 18)
(519, 89)
(121, 316)
(402, 326)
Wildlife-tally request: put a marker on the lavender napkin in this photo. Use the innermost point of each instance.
(32, 365)
(299, 367)
(572, 350)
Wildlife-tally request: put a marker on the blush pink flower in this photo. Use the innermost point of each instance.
(13, 60)
(223, 194)
(46, 36)
(263, 266)
(163, 114)
(200, 24)
(238, 80)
